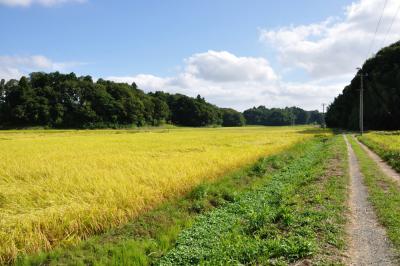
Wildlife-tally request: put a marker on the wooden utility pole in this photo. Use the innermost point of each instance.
(323, 115)
(362, 105)
(361, 118)
(293, 119)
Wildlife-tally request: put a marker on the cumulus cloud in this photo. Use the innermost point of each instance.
(232, 81)
(329, 51)
(47, 3)
(223, 66)
(13, 67)
(336, 46)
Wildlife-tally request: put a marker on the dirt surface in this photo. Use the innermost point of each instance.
(368, 242)
(385, 168)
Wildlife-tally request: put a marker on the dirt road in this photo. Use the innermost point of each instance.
(368, 242)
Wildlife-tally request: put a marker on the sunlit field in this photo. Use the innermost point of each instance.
(390, 140)
(57, 187)
(386, 144)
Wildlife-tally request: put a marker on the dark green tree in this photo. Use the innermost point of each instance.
(381, 95)
(232, 118)
(278, 116)
(67, 101)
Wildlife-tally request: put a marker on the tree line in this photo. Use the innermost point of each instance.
(381, 95)
(281, 116)
(56, 100)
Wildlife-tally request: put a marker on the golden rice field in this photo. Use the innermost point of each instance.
(386, 144)
(388, 140)
(57, 187)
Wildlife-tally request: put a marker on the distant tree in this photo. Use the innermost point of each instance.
(300, 116)
(2, 90)
(188, 111)
(278, 117)
(67, 101)
(232, 118)
(256, 115)
(162, 113)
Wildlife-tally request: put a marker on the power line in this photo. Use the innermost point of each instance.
(391, 25)
(377, 27)
(361, 74)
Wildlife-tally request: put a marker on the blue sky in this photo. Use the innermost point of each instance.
(162, 44)
(128, 37)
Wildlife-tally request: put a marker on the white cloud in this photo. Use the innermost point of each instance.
(335, 46)
(224, 66)
(47, 3)
(223, 78)
(329, 51)
(13, 67)
(150, 80)
(239, 82)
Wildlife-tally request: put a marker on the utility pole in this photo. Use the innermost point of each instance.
(293, 118)
(361, 118)
(362, 105)
(323, 115)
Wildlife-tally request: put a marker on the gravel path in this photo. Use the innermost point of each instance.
(385, 168)
(368, 242)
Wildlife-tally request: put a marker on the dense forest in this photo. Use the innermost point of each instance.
(381, 95)
(66, 101)
(56, 100)
(279, 117)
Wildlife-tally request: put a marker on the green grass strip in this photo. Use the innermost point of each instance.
(152, 235)
(297, 214)
(384, 194)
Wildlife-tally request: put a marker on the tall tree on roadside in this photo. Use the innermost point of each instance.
(381, 95)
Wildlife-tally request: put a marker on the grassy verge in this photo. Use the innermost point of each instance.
(384, 194)
(391, 156)
(296, 215)
(146, 239)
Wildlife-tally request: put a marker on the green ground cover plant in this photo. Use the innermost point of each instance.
(298, 213)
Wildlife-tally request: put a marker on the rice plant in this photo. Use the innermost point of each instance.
(58, 187)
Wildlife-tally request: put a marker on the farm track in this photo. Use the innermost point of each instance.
(368, 241)
(385, 168)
